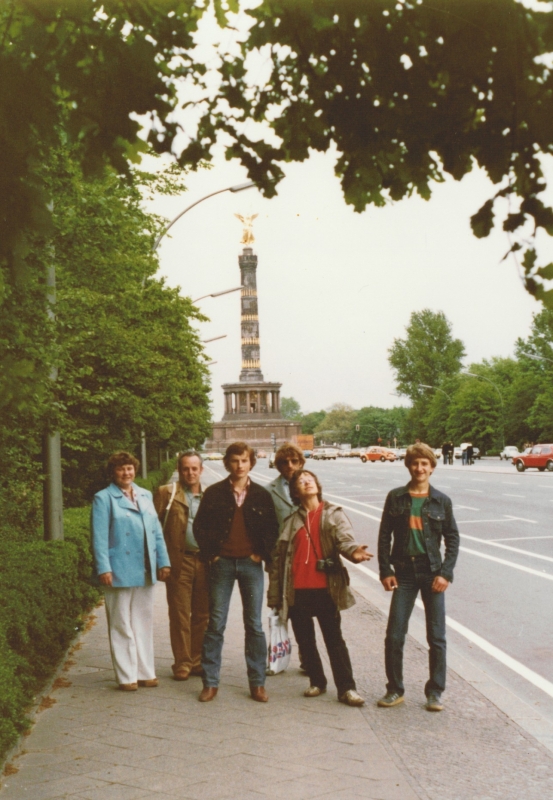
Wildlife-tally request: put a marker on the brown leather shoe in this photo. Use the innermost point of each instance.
(259, 694)
(151, 683)
(208, 693)
(128, 687)
(181, 674)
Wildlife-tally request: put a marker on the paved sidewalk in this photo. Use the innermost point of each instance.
(96, 743)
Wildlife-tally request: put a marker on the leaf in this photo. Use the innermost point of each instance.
(482, 221)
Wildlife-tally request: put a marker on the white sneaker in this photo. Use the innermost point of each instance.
(352, 698)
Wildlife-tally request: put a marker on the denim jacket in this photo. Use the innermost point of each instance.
(438, 521)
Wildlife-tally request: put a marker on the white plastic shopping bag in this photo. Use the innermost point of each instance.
(280, 646)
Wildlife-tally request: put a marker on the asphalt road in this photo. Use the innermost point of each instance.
(500, 609)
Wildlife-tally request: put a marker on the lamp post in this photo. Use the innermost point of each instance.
(53, 485)
(474, 375)
(217, 294)
(538, 358)
(436, 389)
(239, 187)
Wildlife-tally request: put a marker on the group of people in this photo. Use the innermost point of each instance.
(201, 541)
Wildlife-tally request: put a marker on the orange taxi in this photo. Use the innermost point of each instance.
(378, 454)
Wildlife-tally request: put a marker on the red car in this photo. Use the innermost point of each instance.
(540, 456)
(378, 454)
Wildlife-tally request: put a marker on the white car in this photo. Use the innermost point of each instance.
(509, 453)
(212, 456)
(324, 453)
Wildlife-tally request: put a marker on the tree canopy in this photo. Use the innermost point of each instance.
(407, 92)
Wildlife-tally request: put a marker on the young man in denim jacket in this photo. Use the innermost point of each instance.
(414, 520)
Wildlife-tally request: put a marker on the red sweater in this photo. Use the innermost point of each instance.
(307, 552)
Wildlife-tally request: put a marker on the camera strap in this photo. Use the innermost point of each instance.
(310, 537)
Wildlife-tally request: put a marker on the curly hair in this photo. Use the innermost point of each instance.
(288, 451)
(121, 459)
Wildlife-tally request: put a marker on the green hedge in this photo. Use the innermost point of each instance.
(44, 591)
(157, 477)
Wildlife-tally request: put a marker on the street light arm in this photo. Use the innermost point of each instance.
(436, 389)
(237, 188)
(474, 375)
(217, 294)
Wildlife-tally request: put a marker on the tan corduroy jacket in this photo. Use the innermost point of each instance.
(175, 529)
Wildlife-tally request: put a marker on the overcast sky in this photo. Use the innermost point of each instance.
(335, 287)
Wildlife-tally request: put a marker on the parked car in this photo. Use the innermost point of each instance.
(261, 454)
(356, 453)
(325, 453)
(509, 452)
(378, 454)
(401, 453)
(307, 453)
(540, 457)
(396, 451)
(438, 452)
(458, 452)
(213, 456)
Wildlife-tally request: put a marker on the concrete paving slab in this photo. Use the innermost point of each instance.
(96, 743)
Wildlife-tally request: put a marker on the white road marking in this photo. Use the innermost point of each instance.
(489, 648)
(512, 564)
(521, 519)
(478, 480)
(495, 543)
(513, 495)
(505, 519)
(468, 508)
(521, 538)
(351, 500)
(479, 491)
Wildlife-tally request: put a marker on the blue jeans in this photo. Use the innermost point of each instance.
(223, 574)
(414, 575)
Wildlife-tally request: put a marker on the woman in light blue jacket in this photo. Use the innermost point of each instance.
(129, 554)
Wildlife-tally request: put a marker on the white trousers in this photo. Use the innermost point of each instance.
(130, 614)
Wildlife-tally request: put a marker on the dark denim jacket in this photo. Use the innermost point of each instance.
(438, 521)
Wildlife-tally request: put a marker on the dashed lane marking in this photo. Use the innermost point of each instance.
(521, 538)
(505, 563)
(468, 508)
(513, 495)
(495, 543)
(487, 647)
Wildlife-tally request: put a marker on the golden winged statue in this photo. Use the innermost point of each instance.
(247, 233)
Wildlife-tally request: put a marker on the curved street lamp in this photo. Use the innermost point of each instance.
(216, 294)
(436, 389)
(239, 187)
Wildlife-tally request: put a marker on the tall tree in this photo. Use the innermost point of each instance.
(427, 355)
(338, 424)
(290, 408)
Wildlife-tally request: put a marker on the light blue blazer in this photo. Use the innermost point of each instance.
(283, 505)
(118, 536)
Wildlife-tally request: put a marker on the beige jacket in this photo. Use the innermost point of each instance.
(336, 539)
(175, 529)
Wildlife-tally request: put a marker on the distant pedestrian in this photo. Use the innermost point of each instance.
(470, 454)
(445, 453)
(451, 452)
(129, 554)
(236, 529)
(414, 520)
(464, 454)
(308, 580)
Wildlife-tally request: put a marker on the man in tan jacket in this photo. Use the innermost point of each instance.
(187, 587)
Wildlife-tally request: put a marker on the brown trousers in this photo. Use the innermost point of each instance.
(188, 602)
